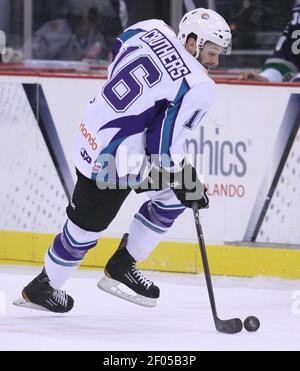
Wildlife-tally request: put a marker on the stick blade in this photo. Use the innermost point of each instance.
(231, 326)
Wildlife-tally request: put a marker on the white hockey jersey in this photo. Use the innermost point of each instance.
(156, 93)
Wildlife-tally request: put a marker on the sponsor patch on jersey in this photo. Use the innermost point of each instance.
(96, 168)
(85, 156)
(91, 140)
(167, 53)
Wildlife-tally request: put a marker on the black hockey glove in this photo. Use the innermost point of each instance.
(188, 188)
(184, 183)
(203, 202)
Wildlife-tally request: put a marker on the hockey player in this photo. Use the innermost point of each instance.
(285, 63)
(157, 91)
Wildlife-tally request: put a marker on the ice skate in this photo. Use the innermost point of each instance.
(39, 294)
(121, 269)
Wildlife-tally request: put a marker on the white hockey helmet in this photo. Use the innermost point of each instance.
(207, 25)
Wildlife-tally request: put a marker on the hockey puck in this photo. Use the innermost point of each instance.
(251, 324)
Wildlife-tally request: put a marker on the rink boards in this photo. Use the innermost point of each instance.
(228, 260)
(251, 149)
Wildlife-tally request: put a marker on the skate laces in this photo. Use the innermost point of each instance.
(61, 297)
(140, 277)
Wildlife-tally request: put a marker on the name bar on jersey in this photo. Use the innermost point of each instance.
(167, 53)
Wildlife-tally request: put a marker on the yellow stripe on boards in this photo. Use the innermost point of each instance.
(30, 248)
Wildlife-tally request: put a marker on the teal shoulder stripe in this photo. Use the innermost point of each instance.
(110, 149)
(168, 125)
(184, 88)
(129, 34)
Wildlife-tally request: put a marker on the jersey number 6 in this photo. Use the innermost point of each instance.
(127, 85)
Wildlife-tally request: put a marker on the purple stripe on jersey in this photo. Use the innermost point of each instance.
(155, 127)
(161, 218)
(159, 137)
(131, 125)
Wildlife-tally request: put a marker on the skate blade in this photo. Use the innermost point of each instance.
(112, 287)
(21, 302)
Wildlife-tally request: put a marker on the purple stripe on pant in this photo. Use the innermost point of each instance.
(65, 251)
(158, 216)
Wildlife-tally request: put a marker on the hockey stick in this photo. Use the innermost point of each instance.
(230, 326)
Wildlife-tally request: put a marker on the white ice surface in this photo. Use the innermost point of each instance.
(181, 321)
